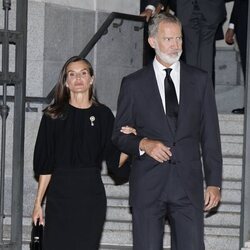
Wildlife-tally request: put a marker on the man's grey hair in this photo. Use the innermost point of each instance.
(157, 19)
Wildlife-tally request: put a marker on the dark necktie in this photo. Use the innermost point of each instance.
(171, 101)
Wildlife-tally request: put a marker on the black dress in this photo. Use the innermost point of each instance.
(72, 150)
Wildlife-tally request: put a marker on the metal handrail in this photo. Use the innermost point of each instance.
(101, 31)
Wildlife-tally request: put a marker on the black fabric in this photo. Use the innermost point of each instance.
(75, 210)
(186, 221)
(239, 17)
(75, 141)
(36, 237)
(172, 106)
(72, 150)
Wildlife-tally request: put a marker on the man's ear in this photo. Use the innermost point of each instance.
(151, 41)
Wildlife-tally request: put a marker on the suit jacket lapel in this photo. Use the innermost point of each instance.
(186, 92)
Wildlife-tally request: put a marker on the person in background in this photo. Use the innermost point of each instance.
(200, 20)
(150, 9)
(238, 27)
(74, 138)
(172, 107)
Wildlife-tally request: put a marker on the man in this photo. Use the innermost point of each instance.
(166, 174)
(200, 20)
(238, 26)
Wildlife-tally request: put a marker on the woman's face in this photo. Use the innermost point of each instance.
(78, 78)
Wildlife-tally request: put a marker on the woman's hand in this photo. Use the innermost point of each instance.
(42, 186)
(37, 214)
(128, 130)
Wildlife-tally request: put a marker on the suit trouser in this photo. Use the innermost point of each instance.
(199, 41)
(186, 221)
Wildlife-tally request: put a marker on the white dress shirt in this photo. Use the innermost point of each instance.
(160, 74)
(150, 7)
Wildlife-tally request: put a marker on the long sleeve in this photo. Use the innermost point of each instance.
(210, 138)
(43, 161)
(235, 12)
(111, 152)
(126, 143)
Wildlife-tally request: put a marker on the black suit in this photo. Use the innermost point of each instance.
(239, 18)
(213, 10)
(199, 28)
(140, 106)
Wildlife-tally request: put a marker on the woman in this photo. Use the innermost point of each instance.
(73, 139)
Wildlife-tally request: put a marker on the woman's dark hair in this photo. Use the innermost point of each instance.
(62, 94)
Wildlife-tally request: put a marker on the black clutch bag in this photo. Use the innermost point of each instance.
(36, 237)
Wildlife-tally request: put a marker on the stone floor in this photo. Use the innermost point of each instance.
(110, 247)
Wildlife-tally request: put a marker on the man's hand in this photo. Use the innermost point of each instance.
(212, 197)
(229, 36)
(158, 8)
(147, 13)
(155, 149)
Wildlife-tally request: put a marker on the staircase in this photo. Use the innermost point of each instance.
(221, 227)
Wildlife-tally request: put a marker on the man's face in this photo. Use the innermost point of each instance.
(167, 43)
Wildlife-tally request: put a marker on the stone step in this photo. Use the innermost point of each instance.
(223, 217)
(236, 170)
(232, 145)
(123, 203)
(232, 169)
(229, 97)
(215, 238)
(231, 124)
(231, 191)
(25, 246)
(221, 229)
(118, 235)
(227, 215)
(117, 247)
(246, 246)
(211, 243)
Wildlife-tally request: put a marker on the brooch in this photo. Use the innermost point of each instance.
(92, 119)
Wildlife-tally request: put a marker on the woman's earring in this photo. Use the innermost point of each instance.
(66, 84)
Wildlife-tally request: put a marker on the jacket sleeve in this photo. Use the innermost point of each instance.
(235, 12)
(112, 153)
(125, 116)
(210, 138)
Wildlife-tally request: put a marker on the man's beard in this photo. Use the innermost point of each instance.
(167, 58)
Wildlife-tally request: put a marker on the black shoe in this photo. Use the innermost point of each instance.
(239, 111)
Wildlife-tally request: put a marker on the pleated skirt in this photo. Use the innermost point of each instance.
(75, 210)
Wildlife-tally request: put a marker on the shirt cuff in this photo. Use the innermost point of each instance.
(150, 7)
(231, 26)
(141, 152)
